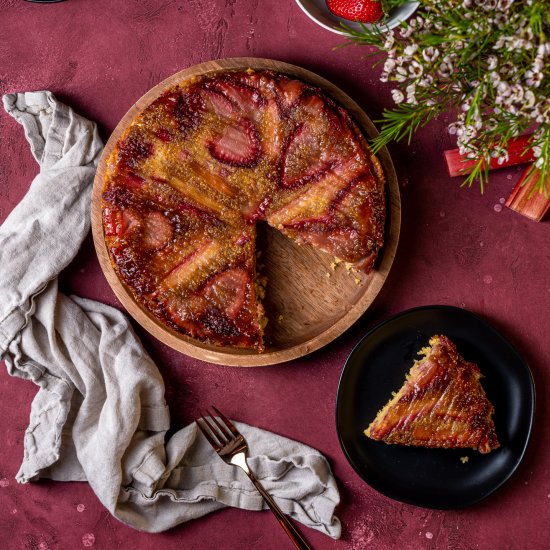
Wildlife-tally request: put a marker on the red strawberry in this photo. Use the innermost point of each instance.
(366, 11)
(237, 145)
(157, 231)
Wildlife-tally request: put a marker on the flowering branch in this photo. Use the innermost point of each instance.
(485, 59)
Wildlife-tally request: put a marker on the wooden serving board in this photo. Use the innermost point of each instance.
(308, 302)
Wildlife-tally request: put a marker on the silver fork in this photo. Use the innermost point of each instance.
(232, 448)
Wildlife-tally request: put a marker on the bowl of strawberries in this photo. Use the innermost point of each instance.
(335, 15)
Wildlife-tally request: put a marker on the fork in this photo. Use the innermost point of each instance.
(232, 448)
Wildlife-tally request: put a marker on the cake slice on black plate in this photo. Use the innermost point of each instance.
(441, 405)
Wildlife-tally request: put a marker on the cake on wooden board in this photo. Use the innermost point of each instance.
(207, 160)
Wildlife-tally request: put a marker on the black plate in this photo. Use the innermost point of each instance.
(433, 478)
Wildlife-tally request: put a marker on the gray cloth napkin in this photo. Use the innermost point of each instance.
(100, 413)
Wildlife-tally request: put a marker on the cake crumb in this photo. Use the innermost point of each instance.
(335, 263)
(464, 459)
(280, 318)
(357, 281)
(327, 274)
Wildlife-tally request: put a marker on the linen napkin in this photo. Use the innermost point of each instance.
(100, 413)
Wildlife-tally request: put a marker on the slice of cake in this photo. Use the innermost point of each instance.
(441, 405)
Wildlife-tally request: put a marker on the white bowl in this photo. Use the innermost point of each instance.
(317, 11)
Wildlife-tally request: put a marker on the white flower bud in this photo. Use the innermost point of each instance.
(389, 65)
(492, 62)
(430, 54)
(416, 69)
(397, 96)
(529, 99)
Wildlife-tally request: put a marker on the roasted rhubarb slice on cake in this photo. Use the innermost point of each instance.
(441, 405)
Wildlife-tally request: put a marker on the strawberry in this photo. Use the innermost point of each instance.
(157, 230)
(237, 145)
(366, 11)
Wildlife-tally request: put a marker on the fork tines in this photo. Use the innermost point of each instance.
(217, 433)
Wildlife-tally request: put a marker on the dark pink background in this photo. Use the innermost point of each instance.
(457, 247)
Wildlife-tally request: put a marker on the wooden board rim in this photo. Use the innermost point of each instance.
(231, 356)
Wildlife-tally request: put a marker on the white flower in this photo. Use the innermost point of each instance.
(426, 81)
(500, 20)
(520, 44)
(389, 65)
(445, 69)
(502, 156)
(504, 5)
(410, 49)
(538, 65)
(494, 77)
(488, 5)
(416, 69)
(430, 54)
(491, 124)
(384, 77)
(516, 92)
(411, 94)
(397, 96)
(535, 113)
(503, 89)
(492, 62)
(533, 78)
(390, 41)
(509, 68)
(469, 133)
(529, 99)
(401, 75)
(406, 31)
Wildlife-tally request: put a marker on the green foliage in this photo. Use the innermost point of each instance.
(487, 60)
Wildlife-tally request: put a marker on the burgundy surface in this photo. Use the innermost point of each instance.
(457, 247)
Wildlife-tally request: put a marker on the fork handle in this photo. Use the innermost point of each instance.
(290, 530)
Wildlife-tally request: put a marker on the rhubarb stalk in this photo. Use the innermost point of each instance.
(523, 200)
(518, 150)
